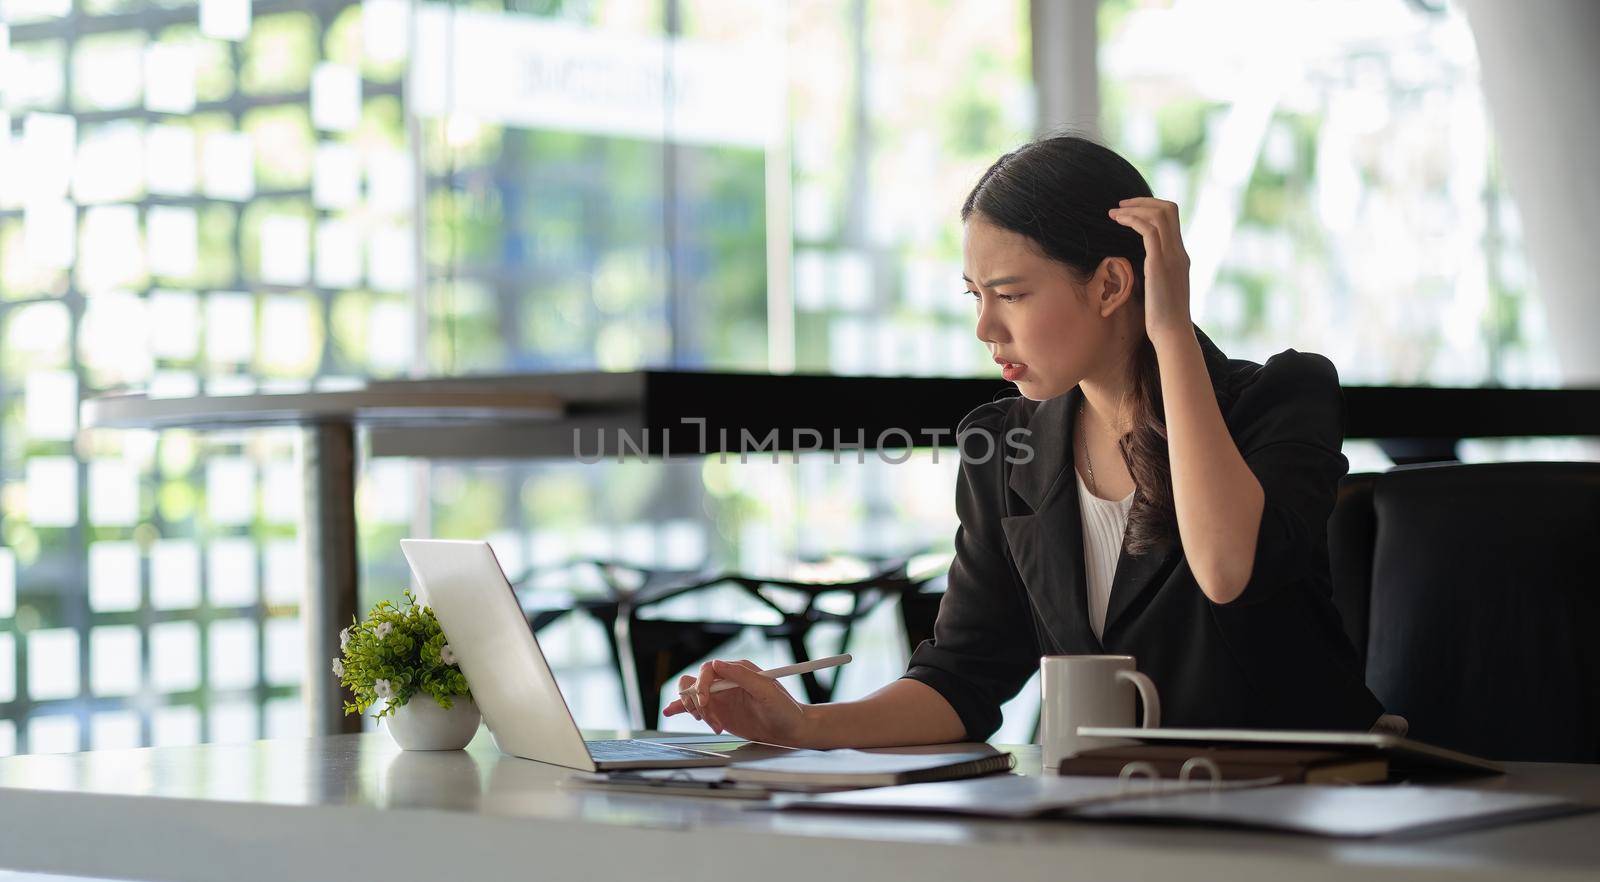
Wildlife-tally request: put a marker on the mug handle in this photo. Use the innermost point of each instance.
(1147, 696)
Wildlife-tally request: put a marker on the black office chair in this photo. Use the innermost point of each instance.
(1473, 594)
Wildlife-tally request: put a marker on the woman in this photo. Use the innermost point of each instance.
(1174, 507)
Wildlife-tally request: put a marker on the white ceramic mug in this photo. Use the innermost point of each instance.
(1089, 690)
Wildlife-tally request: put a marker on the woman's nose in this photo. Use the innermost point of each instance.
(988, 329)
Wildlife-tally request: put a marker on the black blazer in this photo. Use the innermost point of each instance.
(1275, 657)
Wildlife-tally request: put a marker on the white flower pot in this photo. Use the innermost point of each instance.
(421, 724)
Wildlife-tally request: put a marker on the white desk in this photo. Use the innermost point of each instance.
(352, 807)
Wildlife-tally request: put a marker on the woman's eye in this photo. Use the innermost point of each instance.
(1004, 298)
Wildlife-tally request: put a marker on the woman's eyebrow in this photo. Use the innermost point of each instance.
(994, 283)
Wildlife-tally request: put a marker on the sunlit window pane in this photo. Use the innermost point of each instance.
(52, 491)
(386, 492)
(285, 250)
(289, 342)
(284, 573)
(52, 663)
(232, 662)
(230, 490)
(385, 30)
(109, 164)
(225, 19)
(114, 730)
(231, 572)
(391, 261)
(390, 341)
(53, 733)
(281, 497)
(233, 722)
(112, 252)
(9, 172)
(113, 576)
(8, 583)
(338, 254)
(8, 667)
(175, 322)
(113, 493)
(39, 334)
(49, 144)
(335, 97)
(286, 718)
(173, 384)
(228, 166)
(285, 651)
(230, 327)
(174, 235)
(50, 228)
(174, 574)
(106, 70)
(389, 182)
(114, 338)
(34, 74)
(8, 737)
(175, 725)
(50, 405)
(336, 176)
(114, 660)
(175, 656)
(170, 160)
(169, 72)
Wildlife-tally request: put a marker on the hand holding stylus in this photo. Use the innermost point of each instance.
(760, 709)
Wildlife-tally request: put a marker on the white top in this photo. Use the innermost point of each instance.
(1104, 522)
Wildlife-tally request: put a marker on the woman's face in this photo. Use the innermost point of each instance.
(1038, 321)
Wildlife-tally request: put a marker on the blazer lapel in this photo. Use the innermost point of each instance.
(1048, 545)
(1137, 576)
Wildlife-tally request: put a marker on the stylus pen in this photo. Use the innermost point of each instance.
(831, 661)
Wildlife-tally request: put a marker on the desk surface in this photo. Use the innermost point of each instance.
(353, 806)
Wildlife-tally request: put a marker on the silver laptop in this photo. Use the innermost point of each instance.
(511, 682)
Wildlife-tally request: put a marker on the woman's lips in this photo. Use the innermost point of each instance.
(1012, 371)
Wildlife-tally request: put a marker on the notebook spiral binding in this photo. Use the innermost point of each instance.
(1139, 770)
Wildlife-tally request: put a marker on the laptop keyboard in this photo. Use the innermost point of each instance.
(631, 749)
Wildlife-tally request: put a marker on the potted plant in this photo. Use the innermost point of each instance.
(398, 654)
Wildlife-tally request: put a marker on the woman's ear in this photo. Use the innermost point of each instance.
(1113, 284)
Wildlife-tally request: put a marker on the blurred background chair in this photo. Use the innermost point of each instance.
(1472, 593)
(658, 627)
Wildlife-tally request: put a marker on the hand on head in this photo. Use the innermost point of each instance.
(760, 709)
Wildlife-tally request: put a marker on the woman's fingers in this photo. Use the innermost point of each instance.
(747, 676)
(685, 701)
(1160, 213)
(702, 686)
(1142, 224)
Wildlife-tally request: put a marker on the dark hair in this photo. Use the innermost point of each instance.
(1057, 191)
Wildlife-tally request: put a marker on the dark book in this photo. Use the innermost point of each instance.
(1290, 765)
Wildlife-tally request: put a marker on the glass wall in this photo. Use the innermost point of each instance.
(1339, 181)
(223, 197)
(232, 195)
(186, 190)
(805, 220)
